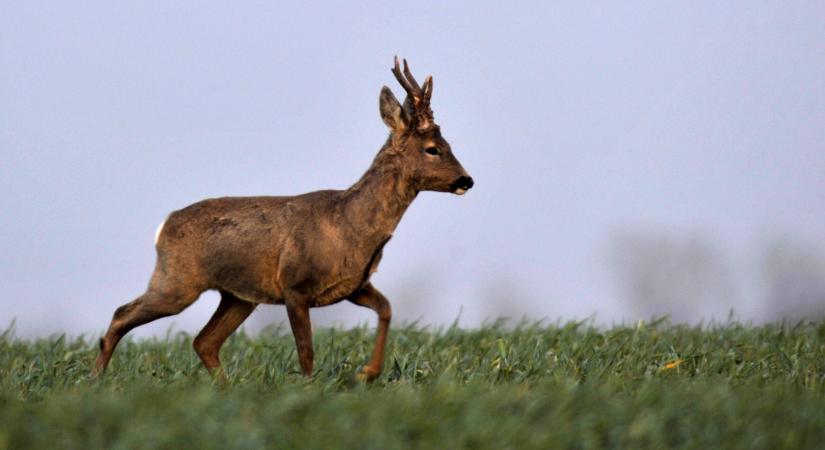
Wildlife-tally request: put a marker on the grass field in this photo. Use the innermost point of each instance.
(532, 386)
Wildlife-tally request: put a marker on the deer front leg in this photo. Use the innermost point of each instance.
(369, 297)
(298, 313)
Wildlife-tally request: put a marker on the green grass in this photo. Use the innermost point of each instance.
(535, 386)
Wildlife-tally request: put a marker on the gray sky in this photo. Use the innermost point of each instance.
(581, 124)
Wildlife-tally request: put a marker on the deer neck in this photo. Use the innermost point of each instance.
(373, 206)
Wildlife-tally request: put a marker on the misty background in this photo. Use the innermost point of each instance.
(631, 159)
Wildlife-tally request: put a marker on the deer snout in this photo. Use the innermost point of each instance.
(462, 185)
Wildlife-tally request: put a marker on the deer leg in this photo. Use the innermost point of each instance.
(371, 298)
(231, 312)
(298, 313)
(150, 306)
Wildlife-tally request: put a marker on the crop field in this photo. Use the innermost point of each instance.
(528, 386)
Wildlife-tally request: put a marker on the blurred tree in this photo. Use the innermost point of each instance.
(684, 277)
(794, 277)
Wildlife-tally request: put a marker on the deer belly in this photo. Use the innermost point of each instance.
(254, 297)
(336, 292)
(248, 285)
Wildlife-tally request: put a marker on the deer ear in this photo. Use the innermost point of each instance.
(391, 111)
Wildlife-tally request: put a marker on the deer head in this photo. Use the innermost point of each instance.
(424, 157)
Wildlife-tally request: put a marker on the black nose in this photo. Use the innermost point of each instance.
(463, 182)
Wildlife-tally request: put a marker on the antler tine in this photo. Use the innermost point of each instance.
(428, 87)
(398, 76)
(410, 77)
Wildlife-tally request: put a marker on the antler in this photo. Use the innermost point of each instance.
(418, 99)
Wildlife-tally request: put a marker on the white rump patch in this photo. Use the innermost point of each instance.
(157, 232)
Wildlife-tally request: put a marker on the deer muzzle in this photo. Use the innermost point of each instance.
(461, 185)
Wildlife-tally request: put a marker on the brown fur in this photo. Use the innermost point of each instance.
(302, 251)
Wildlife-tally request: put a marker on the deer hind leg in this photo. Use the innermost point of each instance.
(152, 305)
(231, 312)
(371, 298)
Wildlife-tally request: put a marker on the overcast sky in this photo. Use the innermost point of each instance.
(586, 128)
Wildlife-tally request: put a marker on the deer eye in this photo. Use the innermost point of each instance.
(432, 151)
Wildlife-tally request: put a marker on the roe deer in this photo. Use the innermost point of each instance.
(302, 251)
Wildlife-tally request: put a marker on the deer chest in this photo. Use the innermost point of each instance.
(353, 272)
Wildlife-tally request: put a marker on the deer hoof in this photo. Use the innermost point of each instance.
(366, 375)
(219, 377)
